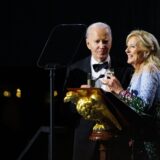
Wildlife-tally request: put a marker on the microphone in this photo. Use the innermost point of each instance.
(89, 80)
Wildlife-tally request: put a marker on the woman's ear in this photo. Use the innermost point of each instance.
(145, 54)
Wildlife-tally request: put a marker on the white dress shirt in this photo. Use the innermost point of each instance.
(95, 75)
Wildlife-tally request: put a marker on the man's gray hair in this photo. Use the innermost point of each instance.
(98, 24)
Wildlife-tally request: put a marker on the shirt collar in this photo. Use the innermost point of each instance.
(93, 61)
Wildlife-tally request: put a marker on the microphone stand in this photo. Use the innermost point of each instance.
(51, 120)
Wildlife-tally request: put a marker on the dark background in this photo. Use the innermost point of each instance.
(25, 27)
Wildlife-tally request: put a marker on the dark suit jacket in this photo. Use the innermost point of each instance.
(85, 149)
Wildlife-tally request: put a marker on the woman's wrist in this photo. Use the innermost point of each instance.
(118, 91)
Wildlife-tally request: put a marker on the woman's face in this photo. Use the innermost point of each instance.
(134, 51)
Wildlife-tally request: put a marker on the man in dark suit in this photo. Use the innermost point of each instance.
(99, 42)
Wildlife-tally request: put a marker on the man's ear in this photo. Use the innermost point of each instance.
(111, 45)
(87, 43)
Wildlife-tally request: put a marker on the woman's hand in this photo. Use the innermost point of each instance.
(112, 84)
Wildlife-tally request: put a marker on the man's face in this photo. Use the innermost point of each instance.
(99, 42)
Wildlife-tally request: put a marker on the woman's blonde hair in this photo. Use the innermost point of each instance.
(150, 45)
